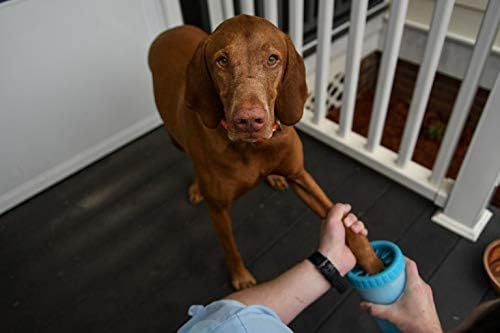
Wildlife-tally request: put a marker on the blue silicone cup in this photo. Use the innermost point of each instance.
(386, 286)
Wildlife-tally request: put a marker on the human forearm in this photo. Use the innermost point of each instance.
(288, 294)
(297, 288)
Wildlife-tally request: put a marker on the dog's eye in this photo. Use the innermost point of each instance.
(272, 60)
(222, 61)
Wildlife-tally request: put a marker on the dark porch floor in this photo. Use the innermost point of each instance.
(117, 247)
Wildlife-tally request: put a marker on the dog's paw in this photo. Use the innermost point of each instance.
(277, 182)
(194, 194)
(243, 280)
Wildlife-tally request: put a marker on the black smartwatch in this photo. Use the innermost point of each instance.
(326, 268)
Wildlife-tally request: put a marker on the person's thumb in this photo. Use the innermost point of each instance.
(377, 310)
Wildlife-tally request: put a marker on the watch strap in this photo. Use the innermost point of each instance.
(326, 268)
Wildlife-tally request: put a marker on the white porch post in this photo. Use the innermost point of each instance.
(465, 211)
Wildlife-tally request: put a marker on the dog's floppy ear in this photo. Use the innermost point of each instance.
(200, 94)
(292, 94)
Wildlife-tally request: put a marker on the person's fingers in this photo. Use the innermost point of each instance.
(338, 212)
(412, 271)
(411, 267)
(358, 227)
(377, 310)
(349, 220)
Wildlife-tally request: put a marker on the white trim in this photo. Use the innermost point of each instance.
(449, 35)
(454, 57)
(452, 36)
(471, 234)
(78, 162)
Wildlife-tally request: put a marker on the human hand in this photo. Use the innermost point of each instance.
(415, 311)
(332, 237)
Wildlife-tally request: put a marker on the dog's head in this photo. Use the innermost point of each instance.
(248, 74)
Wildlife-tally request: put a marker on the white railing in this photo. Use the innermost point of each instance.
(465, 200)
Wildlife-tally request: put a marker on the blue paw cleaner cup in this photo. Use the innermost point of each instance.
(386, 286)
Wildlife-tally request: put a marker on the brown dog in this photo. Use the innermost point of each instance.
(229, 100)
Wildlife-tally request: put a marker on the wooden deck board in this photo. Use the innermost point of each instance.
(117, 247)
(460, 282)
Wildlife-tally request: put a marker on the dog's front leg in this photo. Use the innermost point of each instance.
(309, 191)
(241, 277)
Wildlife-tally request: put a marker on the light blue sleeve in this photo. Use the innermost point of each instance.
(232, 317)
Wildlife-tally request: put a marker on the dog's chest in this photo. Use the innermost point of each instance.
(250, 165)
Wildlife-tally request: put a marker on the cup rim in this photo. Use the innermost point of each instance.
(387, 275)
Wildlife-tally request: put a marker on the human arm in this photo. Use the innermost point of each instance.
(415, 311)
(297, 288)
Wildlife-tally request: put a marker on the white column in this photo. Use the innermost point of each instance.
(173, 13)
(354, 50)
(215, 13)
(156, 21)
(425, 79)
(247, 7)
(386, 73)
(228, 8)
(296, 25)
(465, 211)
(463, 103)
(271, 11)
(325, 22)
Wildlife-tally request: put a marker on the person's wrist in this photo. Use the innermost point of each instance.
(328, 270)
(420, 328)
(336, 260)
